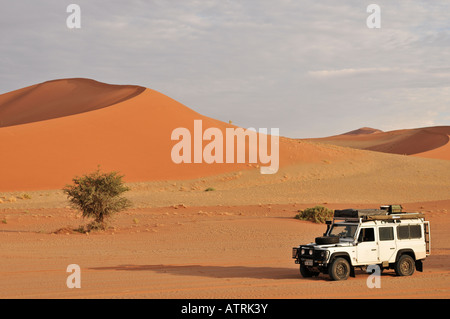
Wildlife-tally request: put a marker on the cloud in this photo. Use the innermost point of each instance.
(351, 72)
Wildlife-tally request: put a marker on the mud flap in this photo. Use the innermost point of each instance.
(419, 265)
(352, 272)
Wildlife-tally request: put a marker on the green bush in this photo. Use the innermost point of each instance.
(98, 195)
(317, 214)
(210, 189)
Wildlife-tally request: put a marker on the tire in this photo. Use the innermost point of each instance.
(405, 266)
(339, 269)
(327, 240)
(305, 272)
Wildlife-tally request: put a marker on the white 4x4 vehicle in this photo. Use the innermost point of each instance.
(386, 237)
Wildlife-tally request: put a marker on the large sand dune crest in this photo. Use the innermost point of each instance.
(132, 136)
(58, 98)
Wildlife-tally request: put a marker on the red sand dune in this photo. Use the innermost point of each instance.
(363, 130)
(417, 142)
(69, 131)
(60, 98)
(442, 152)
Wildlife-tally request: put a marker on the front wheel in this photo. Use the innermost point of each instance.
(306, 273)
(405, 266)
(339, 269)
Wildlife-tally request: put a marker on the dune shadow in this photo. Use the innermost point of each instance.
(220, 272)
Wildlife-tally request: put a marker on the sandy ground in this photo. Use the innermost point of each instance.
(348, 176)
(195, 252)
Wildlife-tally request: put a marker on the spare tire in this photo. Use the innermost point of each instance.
(327, 240)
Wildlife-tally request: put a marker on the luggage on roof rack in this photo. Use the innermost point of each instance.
(392, 209)
(359, 213)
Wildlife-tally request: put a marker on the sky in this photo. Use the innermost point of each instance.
(311, 68)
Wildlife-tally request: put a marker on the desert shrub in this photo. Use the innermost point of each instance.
(210, 189)
(98, 195)
(317, 214)
(80, 229)
(95, 225)
(26, 196)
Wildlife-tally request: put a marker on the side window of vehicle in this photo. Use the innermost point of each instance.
(386, 233)
(409, 232)
(366, 234)
(403, 232)
(415, 231)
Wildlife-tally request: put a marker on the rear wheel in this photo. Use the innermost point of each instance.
(405, 266)
(339, 269)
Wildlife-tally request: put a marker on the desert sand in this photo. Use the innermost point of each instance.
(179, 241)
(195, 252)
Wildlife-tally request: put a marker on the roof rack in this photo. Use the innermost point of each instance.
(396, 216)
(388, 212)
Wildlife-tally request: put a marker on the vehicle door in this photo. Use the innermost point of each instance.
(367, 247)
(386, 243)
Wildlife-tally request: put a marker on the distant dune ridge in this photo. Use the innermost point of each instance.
(419, 141)
(53, 131)
(363, 130)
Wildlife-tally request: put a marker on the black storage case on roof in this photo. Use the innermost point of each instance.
(359, 213)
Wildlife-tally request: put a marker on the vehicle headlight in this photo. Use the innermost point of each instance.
(302, 252)
(324, 255)
(310, 251)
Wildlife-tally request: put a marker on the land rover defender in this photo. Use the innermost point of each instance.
(357, 238)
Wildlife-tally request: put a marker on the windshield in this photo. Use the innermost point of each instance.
(343, 231)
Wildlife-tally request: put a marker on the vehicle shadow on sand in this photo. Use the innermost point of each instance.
(222, 272)
(212, 271)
